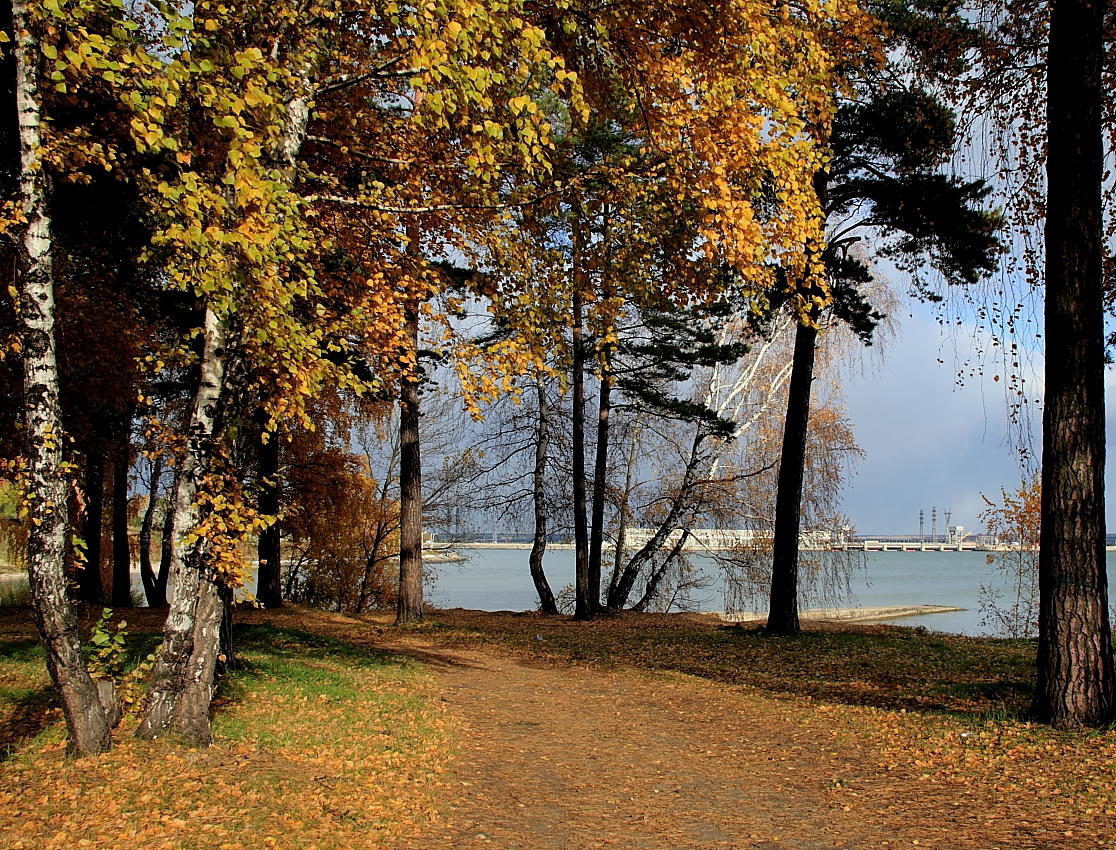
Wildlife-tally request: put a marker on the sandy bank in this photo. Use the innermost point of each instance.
(849, 615)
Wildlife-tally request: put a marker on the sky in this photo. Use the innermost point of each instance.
(930, 442)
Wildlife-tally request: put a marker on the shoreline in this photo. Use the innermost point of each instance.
(910, 548)
(861, 614)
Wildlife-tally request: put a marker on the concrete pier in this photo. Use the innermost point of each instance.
(847, 615)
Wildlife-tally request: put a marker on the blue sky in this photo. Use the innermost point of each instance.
(929, 442)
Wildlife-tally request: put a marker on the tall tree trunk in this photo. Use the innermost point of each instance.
(147, 528)
(547, 603)
(182, 682)
(583, 592)
(269, 589)
(600, 475)
(86, 716)
(121, 548)
(409, 606)
(90, 586)
(782, 617)
(1074, 686)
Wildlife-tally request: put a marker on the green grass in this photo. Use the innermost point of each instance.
(14, 595)
(287, 666)
(317, 742)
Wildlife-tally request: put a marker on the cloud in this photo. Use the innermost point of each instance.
(930, 438)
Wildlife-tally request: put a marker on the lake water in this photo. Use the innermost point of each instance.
(499, 580)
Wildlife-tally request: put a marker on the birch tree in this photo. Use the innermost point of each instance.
(89, 711)
(251, 237)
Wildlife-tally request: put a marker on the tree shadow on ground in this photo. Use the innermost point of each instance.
(882, 666)
(25, 717)
(24, 711)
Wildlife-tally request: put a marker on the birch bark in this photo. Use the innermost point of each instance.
(88, 720)
(182, 684)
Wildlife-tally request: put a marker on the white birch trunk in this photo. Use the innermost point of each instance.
(183, 681)
(87, 719)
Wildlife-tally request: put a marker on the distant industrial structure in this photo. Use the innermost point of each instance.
(955, 539)
(723, 539)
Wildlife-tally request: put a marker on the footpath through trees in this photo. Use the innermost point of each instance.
(519, 731)
(604, 752)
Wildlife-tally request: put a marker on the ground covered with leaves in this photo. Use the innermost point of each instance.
(859, 736)
(878, 665)
(318, 744)
(519, 731)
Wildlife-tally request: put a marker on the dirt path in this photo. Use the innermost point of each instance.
(575, 758)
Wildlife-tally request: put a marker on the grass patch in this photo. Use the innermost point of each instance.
(27, 702)
(317, 744)
(14, 593)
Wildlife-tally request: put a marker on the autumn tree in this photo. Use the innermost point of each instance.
(288, 305)
(339, 530)
(1013, 523)
(87, 710)
(681, 131)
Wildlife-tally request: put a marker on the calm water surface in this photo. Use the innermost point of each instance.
(498, 580)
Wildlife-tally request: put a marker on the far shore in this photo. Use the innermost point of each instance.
(447, 547)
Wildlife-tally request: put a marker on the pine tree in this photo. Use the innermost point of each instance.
(886, 188)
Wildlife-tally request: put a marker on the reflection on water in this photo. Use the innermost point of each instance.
(498, 580)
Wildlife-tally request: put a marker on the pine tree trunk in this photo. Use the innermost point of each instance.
(600, 475)
(86, 716)
(182, 682)
(269, 588)
(409, 606)
(782, 617)
(1074, 686)
(147, 528)
(90, 587)
(547, 603)
(121, 548)
(583, 594)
